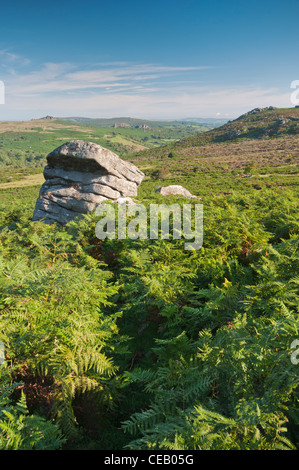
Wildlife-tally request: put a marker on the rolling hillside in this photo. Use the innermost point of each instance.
(260, 147)
(259, 123)
(40, 135)
(24, 145)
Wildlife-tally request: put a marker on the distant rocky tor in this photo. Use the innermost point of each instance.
(47, 118)
(256, 111)
(81, 175)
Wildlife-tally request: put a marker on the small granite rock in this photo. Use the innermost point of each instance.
(174, 190)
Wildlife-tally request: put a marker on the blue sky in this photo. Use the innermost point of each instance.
(158, 59)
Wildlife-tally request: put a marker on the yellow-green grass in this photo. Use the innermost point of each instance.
(29, 180)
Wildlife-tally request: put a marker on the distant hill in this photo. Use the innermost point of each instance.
(26, 143)
(259, 123)
(215, 122)
(259, 148)
(263, 137)
(134, 122)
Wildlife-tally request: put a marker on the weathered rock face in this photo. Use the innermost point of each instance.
(81, 175)
(174, 189)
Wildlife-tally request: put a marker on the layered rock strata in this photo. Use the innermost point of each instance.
(81, 175)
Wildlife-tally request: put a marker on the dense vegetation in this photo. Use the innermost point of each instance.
(139, 344)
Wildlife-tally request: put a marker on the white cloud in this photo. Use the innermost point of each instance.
(122, 88)
(63, 77)
(5, 55)
(173, 106)
(9, 58)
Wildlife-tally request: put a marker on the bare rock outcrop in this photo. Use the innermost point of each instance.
(81, 175)
(174, 189)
